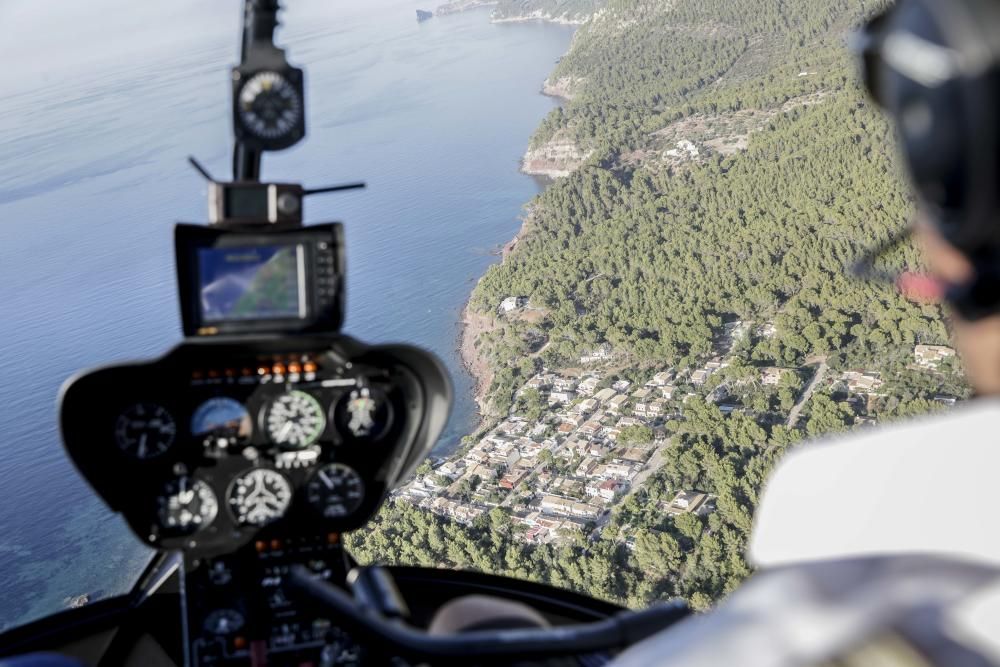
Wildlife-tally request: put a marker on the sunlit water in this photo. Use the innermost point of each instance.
(434, 116)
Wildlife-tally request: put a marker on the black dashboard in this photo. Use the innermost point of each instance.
(252, 457)
(217, 445)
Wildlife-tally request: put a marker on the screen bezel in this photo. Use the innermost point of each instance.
(190, 239)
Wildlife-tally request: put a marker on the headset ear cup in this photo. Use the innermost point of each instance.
(867, 43)
(937, 79)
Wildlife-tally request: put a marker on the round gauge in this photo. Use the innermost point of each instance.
(223, 622)
(269, 106)
(187, 505)
(336, 490)
(295, 420)
(363, 414)
(259, 496)
(222, 422)
(145, 430)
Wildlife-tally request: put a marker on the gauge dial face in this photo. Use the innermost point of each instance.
(145, 430)
(259, 497)
(336, 490)
(223, 622)
(363, 414)
(295, 420)
(222, 422)
(187, 505)
(269, 106)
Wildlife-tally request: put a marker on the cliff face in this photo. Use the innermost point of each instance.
(561, 87)
(555, 158)
(569, 12)
(461, 5)
(474, 357)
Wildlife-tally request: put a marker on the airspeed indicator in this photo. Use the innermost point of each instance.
(295, 420)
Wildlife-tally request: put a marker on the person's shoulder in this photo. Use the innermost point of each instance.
(919, 486)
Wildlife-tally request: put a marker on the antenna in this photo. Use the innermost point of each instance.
(200, 169)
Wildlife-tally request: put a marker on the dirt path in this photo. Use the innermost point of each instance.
(793, 415)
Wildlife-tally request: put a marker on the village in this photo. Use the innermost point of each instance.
(589, 439)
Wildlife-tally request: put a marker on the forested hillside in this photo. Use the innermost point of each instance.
(727, 169)
(650, 248)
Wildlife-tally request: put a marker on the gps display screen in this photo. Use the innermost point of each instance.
(252, 283)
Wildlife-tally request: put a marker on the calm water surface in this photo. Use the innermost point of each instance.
(434, 116)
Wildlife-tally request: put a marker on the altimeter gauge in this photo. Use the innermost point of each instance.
(145, 430)
(259, 496)
(186, 506)
(294, 420)
(336, 490)
(269, 108)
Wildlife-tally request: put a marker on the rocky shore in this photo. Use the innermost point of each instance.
(538, 16)
(463, 5)
(561, 87)
(557, 157)
(499, 14)
(475, 361)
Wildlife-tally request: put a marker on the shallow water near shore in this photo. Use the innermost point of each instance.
(434, 116)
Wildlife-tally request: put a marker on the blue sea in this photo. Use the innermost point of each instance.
(102, 104)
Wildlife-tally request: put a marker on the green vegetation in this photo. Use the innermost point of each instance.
(635, 434)
(653, 256)
(643, 554)
(652, 250)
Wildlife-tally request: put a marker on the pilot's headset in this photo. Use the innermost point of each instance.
(934, 65)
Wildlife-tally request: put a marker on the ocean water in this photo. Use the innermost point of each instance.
(95, 124)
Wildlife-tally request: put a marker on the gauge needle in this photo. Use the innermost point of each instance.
(142, 446)
(285, 430)
(326, 479)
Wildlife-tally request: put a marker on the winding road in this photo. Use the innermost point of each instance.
(793, 415)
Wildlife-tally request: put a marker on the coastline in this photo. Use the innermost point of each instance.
(474, 324)
(539, 16)
(456, 6)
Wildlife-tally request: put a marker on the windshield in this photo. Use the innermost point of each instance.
(624, 226)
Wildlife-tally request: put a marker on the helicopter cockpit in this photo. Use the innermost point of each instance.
(246, 452)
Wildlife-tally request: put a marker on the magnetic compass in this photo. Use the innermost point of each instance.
(269, 109)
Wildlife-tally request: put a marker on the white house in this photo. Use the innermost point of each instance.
(512, 303)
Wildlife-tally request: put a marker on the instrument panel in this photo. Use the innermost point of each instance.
(220, 443)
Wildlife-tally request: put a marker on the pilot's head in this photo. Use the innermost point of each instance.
(934, 66)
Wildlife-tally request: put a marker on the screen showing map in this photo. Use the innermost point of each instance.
(251, 283)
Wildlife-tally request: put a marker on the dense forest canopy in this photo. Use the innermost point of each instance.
(736, 172)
